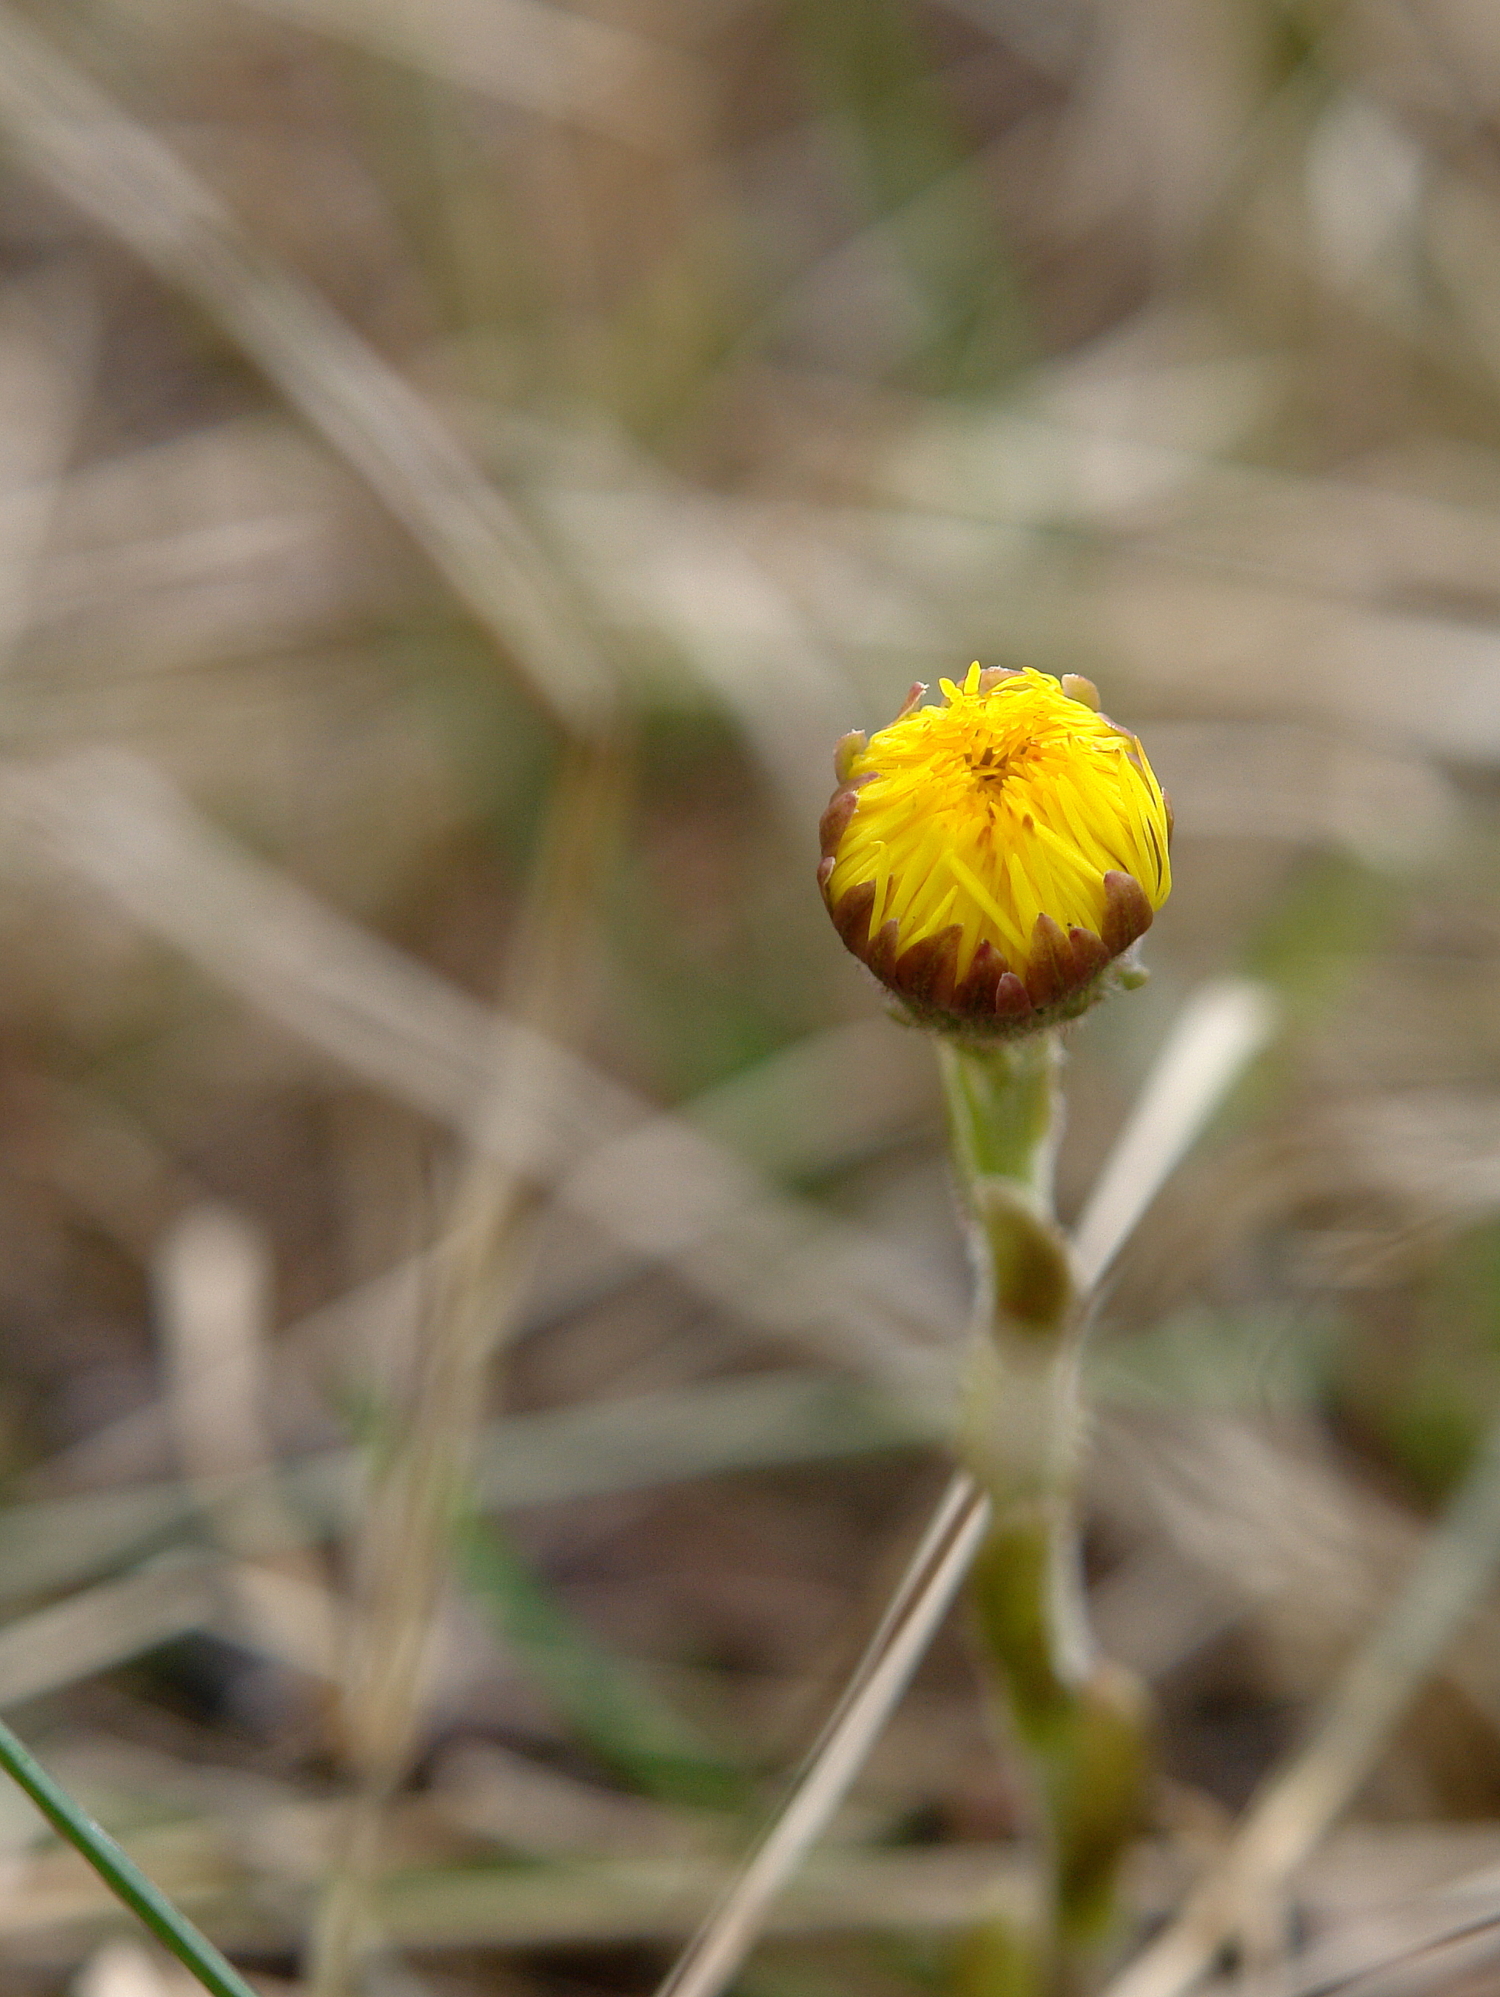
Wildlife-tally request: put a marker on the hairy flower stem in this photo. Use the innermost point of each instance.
(1079, 1722)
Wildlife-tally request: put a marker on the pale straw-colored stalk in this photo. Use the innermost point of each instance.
(424, 1479)
(1299, 1803)
(918, 1606)
(1223, 1025)
(212, 1280)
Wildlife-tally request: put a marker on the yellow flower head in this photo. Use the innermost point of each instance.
(990, 858)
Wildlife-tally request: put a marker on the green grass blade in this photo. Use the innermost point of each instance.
(606, 1703)
(122, 1876)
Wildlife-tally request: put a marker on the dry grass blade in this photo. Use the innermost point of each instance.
(578, 1903)
(60, 1542)
(212, 1281)
(825, 1100)
(536, 56)
(283, 1612)
(47, 340)
(479, 1267)
(919, 1605)
(529, 1809)
(90, 1632)
(1218, 1032)
(1298, 1805)
(654, 1899)
(536, 1459)
(274, 1614)
(126, 180)
(655, 1185)
(741, 1423)
(668, 557)
(225, 1860)
(1457, 1962)
(835, 1097)
(116, 821)
(1404, 1948)
(1220, 1029)
(213, 1290)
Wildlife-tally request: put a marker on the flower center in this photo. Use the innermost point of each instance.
(991, 764)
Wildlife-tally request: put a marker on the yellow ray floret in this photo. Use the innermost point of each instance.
(1013, 832)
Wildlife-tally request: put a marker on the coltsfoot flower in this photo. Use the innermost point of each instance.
(992, 859)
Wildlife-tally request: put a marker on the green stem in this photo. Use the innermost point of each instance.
(1079, 1722)
(1004, 1114)
(1005, 1110)
(120, 1874)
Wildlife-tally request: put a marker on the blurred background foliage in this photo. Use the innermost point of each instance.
(461, 466)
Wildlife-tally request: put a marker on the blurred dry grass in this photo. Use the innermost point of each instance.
(403, 407)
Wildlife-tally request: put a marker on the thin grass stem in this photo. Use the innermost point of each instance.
(1300, 1803)
(121, 1874)
(921, 1601)
(481, 1261)
(1222, 1027)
